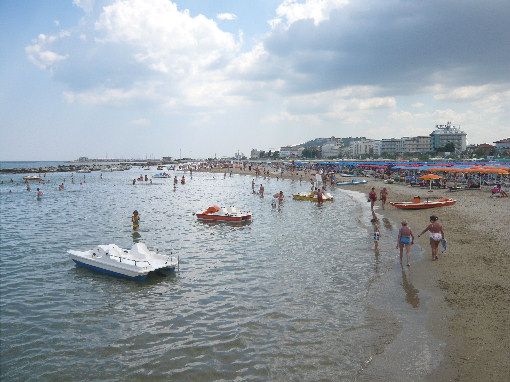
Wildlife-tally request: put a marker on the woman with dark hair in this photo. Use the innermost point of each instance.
(436, 235)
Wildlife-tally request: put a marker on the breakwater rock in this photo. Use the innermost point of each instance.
(80, 168)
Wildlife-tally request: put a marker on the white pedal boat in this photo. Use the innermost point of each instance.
(135, 263)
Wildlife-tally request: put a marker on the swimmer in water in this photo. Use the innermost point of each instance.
(135, 219)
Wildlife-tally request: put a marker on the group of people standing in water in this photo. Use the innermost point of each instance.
(405, 234)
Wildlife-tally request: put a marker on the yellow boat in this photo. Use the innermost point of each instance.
(327, 197)
(32, 177)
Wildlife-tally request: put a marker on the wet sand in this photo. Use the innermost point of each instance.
(471, 312)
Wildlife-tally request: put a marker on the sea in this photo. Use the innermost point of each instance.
(298, 294)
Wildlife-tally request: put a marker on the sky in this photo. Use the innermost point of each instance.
(204, 78)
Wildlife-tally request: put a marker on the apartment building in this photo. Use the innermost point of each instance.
(447, 133)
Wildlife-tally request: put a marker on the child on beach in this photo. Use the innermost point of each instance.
(377, 232)
(405, 234)
(135, 219)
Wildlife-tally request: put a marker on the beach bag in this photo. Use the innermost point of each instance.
(443, 245)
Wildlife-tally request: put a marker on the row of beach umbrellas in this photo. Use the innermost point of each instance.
(473, 170)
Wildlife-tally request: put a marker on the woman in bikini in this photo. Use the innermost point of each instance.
(135, 219)
(405, 239)
(436, 235)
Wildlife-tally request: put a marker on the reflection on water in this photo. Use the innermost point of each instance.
(411, 292)
(136, 237)
(387, 223)
(280, 298)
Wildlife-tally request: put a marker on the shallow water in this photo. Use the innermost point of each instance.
(286, 297)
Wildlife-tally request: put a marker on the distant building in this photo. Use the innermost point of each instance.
(364, 147)
(420, 144)
(503, 144)
(333, 148)
(447, 133)
(291, 151)
(83, 159)
(347, 141)
(482, 149)
(393, 146)
(255, 154)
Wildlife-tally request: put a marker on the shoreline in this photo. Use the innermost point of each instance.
(469, 285)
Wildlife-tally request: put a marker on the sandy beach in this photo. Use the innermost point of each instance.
(472, 313)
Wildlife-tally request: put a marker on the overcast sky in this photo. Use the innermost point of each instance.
(199, 78)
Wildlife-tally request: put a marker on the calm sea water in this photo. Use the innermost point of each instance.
(288, 297)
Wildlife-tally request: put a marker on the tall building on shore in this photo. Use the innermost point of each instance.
(447, 133)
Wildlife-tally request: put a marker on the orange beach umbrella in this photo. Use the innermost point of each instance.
(430, 177)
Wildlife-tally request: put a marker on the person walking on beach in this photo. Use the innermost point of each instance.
(383, 195)
(405, 239)
(372, 196)
(135, 219)
(436, 235)
(377, 232)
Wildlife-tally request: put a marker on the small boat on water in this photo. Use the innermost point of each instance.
(227, 214)
(353, 182)
(161, 175)
(327, 197)
(417, 204)
(84, 170)
(136, 263)
(32, 177)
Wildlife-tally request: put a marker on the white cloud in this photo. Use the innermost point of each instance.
(86, 5)
(316, 10)
(118, 96)
(42, 57)
(226, 16)
(468, 93)
(172, 42)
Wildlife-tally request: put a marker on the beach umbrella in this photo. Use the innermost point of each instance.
(430, 177)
